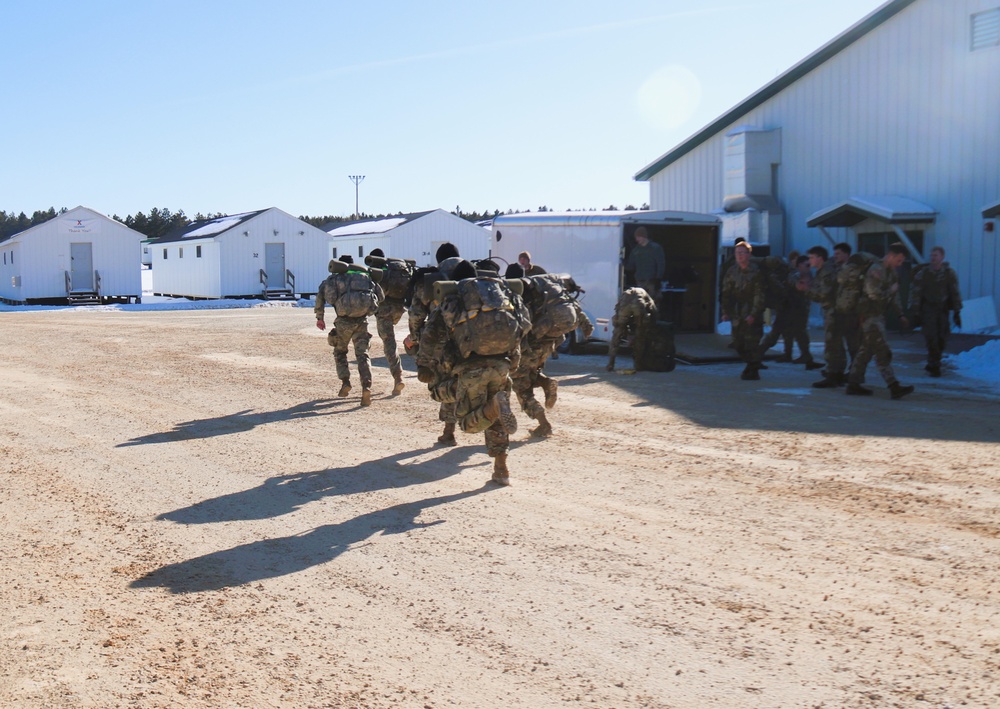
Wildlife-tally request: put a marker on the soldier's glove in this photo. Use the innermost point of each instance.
(957, 319)
(331, 337)
(426, 375)
(410, 346)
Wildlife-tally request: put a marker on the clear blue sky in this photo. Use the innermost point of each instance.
(230, 106)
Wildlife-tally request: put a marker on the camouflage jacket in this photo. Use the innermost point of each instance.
(823, 289)
(880, 294)
(743, 292)
(935, 289)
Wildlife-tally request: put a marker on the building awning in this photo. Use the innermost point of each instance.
(992, 211)
(891, 210)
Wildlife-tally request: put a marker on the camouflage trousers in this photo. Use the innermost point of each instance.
(934, 319)
(472, 385)
(792, 328)
(842, 337)
(873, 344)
(746, 339)
(388, 314)
(347, 331)
(529, 375)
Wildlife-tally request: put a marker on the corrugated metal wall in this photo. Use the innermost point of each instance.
(906, 110)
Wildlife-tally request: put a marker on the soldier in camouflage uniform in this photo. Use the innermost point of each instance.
(479, 385)
(823, 290)
(635, 315)
(421, 304)
(348, 328)
(743, 306)
(792, 317)
(554, 313)
(391, 310)
(879, 294)
(933, 293)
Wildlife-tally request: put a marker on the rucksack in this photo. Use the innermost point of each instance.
(484, 315)
(656, 351)
(553, 311)
(851, 282)
(353, 294)
(395, 277)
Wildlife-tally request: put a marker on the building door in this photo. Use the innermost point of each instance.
(81, 271)
(274, 265)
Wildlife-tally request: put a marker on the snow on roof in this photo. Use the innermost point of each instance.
(376, 226)
(217, 226)
(890, 209)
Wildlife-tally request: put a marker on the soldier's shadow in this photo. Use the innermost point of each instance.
(283, 494)
(238, 422)
(271, 558)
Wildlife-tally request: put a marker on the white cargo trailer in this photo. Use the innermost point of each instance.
(592, 246)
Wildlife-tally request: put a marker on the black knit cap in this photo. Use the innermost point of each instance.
(463, 270)
(446, 250)
(377, 252)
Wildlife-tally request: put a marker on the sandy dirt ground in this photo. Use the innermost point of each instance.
(190, 517)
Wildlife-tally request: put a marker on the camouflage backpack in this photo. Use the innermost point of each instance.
(553, 311)
(353, 294)
(397, 275)
(776, 271)
(851, 282)
(484, 315)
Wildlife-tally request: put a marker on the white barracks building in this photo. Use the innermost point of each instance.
(890, 132)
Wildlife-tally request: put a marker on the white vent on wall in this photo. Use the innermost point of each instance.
(986, 29)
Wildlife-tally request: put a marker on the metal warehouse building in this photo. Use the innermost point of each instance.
(889, 132)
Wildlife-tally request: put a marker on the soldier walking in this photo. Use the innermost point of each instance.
(880, 294)
(933, 294)
(743, 306)
(354, 296)
(395, 282)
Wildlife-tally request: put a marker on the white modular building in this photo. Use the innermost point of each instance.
(889, 132)
(80, 257)
(409, 236)
(266, 254)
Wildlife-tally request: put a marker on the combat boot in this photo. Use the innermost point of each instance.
(498, 409)
(898, 391)
(345, 388)
(397, 388)
(750, 373)
(366, 397)
(934, 370)
(857, 390)
(830, 381)
(551, 389)
(544, 428)
(448, 437)
(501, 476)
(813, 364)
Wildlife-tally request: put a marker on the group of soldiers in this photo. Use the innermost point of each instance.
(476, 336)
(855, 292)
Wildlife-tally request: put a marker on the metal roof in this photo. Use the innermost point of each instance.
(888, 209)
(821, 55)
(640, 216)
(992, 211)
(376, 225)
(206, 228)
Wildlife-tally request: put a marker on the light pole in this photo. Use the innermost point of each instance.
(357, 180)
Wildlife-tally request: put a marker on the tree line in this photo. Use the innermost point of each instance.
(161, 221)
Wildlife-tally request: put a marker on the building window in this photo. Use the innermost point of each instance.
(180, 252)
(361, 251)
(334, 252)
(197, 251)
(164, 254)
(986, 29)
